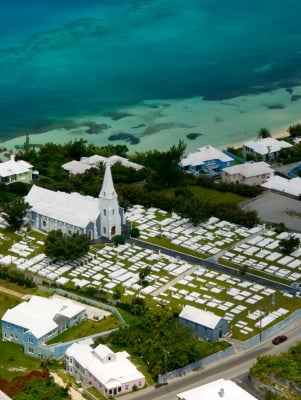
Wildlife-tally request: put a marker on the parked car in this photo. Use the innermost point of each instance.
(279, 339)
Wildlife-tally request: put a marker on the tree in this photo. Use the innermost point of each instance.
(119, 239)
(287, 246)
(63, 247)
(143, 273)
(243, 270)
(295, 130)
(135, 233)
(263, 133)
(14, 213)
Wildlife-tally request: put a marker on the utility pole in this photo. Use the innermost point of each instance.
(165, 354)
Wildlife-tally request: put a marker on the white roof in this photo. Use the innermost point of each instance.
(214, 390)
(117, 371)
(267, 145)
(4, 396)
(289, 186)
(76, 167)
(250, 169)
(205, 153)
(37, 315)
(13, 167)
(125, 162)
(200, 317)
(71, 208)
(79, 167)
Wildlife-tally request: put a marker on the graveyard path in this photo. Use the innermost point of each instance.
(169, 284)
(244, 240)
(174, 281)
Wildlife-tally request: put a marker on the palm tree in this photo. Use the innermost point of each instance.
(263, 133)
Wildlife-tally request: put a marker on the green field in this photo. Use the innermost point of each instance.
(210, 195)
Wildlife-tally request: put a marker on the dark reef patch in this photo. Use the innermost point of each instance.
(115, 116)
(193, 135)
(218, 119)
(94, 128)
(127, 137)
(138, 126)
(276, 106)
(295, 97)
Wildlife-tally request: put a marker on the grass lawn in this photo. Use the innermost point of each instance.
(87, 328)
(211, 194)
(14, 362)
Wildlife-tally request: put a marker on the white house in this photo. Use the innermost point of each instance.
(75, 213)
(205, 324)
(110, 373)
(266, 149)
(283, 185)
(249, 173)
(15, 171)
(79, 167)
(217, 390)
(34, 322)
(207, 160)
(4, 396)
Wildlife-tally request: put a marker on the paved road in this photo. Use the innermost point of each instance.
(234, 367)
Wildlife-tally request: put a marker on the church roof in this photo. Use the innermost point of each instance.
(71, 208)
(108, 190)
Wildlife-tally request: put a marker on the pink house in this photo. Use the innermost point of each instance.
(251, 173)
(108, 372)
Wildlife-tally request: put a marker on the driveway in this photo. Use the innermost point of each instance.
(274, 207)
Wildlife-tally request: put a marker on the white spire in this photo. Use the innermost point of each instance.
(107, 190)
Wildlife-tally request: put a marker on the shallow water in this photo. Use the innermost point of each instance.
(148, 72)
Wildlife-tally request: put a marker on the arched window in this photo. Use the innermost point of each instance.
(104, 212)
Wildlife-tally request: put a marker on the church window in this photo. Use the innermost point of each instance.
(113, 211)
(104, 230)
(104, 212)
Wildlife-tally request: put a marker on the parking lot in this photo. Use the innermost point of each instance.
(274, 207)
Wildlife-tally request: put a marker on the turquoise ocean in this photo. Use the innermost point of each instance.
(147, 73)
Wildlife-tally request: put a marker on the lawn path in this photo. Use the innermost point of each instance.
(13, 292)
(74, 394)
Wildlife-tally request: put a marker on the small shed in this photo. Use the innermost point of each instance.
(205, 324)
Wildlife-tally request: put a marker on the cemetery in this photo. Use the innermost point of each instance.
(248, 307)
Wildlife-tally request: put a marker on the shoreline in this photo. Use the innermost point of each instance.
(159, 124)
(281, 134)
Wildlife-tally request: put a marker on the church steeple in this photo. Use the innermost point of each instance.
(107, 190)
(111, 213)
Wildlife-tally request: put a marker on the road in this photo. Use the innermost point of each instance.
(234, 367)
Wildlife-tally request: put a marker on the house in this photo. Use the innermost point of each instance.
(207, 160)
(16, 171)
(292, 187)
(249, 173)
(80, 167)
(4, 396)
(75, 213)
(32, 323)
(217, 390)
(205, 324)
(108, 372)
(266, 149)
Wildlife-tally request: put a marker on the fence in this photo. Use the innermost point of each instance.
(196, 365)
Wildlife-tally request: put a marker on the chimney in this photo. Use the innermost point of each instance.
(221, 392)
(12, 157)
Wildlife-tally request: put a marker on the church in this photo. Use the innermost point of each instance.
(74, 213)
